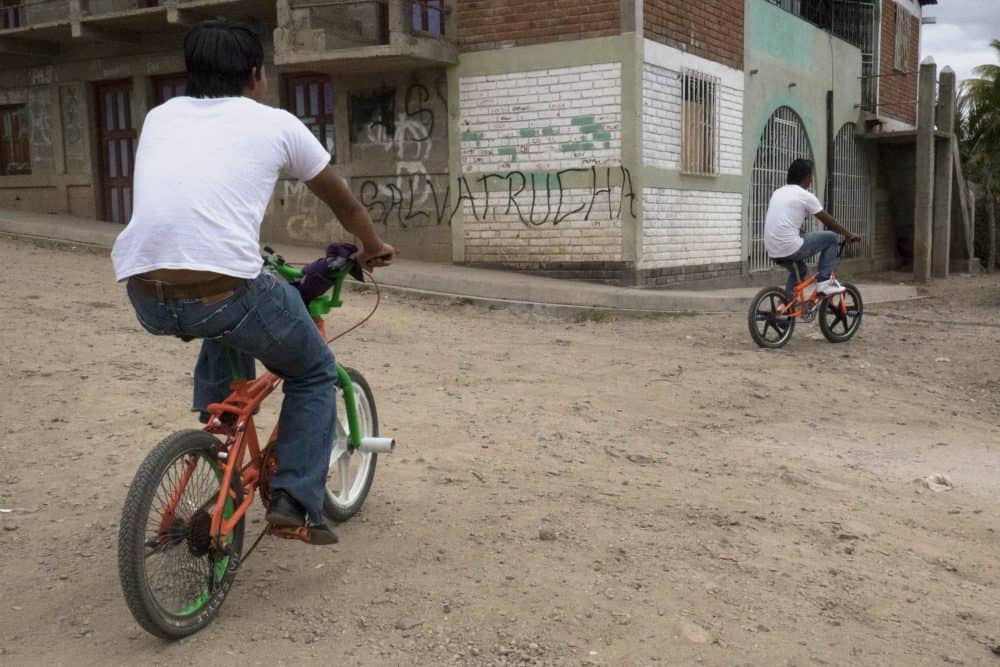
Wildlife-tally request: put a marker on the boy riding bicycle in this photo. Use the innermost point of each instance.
(205, 170)
(784, 238)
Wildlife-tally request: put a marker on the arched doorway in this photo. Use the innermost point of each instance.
(851, 199)
(784, 139)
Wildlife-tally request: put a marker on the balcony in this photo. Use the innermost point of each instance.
(42, 29)
(360, 35)
(855, 22)
(30, 27)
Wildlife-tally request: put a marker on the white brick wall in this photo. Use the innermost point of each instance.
(661, 117)
(690, 227)
(661, 121)
(499, 232)
(543, 120)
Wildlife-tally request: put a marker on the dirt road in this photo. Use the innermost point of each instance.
(637, 491)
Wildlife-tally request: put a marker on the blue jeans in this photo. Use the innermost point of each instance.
(824, 243)
(266, 320)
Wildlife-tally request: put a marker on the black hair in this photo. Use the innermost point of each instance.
(219, 56)
(799, 171)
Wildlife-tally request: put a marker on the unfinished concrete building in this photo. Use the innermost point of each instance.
(629, 141)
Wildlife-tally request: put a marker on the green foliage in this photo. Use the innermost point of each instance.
(979, 128)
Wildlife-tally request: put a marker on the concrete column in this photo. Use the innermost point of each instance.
(631, 16)
(399, 22)
(943, 173)
(924, 192)
(457, 220)
(632, 113)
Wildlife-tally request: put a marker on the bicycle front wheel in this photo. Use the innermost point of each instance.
(351, 472)
(840, 315)
(174, 575)
(768, 326)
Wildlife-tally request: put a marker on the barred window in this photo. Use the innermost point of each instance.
(904, 28)
(427, 16)
(699, 123)
(11, 14)
(15, 155)
(310, 98)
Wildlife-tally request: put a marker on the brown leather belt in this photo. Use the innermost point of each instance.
(211, 290)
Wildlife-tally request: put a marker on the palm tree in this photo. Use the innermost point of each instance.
(979, 139)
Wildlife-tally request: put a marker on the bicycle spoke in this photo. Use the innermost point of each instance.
(345, 478)
(767, 325)
(177, 577)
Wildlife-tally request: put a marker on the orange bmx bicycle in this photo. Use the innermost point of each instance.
(180, 541)
(772, 314)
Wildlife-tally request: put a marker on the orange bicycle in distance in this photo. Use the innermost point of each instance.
(772, 314)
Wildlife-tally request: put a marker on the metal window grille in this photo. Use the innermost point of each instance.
(904, 21)
(699, 123)
(784, 139)
(851, 200)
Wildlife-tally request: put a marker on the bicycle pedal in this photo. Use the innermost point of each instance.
(289, 532)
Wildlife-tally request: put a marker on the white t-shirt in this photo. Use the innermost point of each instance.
(205, 169)
(786, 213)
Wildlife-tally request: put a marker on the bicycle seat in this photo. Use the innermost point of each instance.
(784, 262)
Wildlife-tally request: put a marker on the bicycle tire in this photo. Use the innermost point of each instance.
(782, 329)
(849, 321)
(334, 509)
(149, 607)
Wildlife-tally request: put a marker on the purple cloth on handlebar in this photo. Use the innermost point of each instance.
(318, 276)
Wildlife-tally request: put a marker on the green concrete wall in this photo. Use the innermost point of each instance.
(790, 62)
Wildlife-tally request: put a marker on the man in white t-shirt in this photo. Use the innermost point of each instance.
(784, 239)
(205, 170)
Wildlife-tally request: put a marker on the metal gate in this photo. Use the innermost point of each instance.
(851, 200)
(784, 140)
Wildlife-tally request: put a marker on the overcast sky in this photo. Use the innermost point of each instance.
(961, 37)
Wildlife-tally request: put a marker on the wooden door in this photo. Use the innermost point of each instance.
(116, 143)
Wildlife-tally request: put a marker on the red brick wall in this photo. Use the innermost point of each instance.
(898, 93)
(496, 24)
(711, 29)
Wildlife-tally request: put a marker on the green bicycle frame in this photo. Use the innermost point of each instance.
(318, 307)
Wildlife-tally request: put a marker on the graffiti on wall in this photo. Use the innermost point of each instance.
(73, 122)
(307, 221)
(40, 118)
(415, 195)
(545, 198)
(413, 200)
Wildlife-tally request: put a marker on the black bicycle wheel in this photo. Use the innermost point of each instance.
(840, 315)
(174, 577)
(768, 327)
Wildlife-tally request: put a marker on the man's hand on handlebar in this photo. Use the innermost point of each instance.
(382, 254)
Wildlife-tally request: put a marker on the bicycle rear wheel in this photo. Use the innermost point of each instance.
(840, 315)
(174, 577)
(768, 327)
(351, 473)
